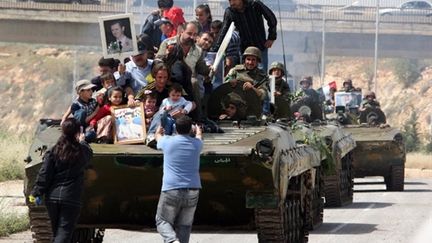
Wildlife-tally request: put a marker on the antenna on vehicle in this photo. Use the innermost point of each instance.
(282, 39)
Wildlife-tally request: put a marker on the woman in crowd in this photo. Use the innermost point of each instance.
(61, 180)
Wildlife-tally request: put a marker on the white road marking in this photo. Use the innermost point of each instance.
(339, 227)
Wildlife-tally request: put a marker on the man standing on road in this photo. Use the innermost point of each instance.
(247, 16)
(180, 182)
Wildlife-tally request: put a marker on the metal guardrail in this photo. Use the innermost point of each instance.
(304, 10)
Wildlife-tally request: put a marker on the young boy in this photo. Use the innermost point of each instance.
(84, 108)
(101, 95)
(149, 107)
(171, 108)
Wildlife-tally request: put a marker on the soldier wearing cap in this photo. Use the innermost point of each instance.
(369, 101)
(252, 77)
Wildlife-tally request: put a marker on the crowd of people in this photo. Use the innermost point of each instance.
(172, 76)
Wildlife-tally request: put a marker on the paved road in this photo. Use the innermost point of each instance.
(375, 216)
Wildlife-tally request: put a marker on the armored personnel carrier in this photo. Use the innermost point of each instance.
(380, 148)
(336, 146)
(254, 177)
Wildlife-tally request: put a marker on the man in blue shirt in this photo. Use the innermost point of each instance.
(181, 181)
(135, 74)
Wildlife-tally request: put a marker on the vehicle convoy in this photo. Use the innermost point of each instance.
(336, 146)
(254, 177)
(380, 148)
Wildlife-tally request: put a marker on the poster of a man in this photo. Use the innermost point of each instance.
(129, 125)
(348, 99)
(118, 35)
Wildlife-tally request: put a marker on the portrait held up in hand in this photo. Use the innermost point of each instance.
(129, 124)
(117, 34)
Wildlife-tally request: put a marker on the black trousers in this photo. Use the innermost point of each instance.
(63, 220)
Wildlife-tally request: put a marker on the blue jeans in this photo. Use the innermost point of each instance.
(63, 218)
(165, 120)
(81, 115)
(175, 214)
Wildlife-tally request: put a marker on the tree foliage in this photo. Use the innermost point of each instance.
(410, 133)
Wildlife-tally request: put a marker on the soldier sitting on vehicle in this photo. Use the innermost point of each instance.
(254, 78)
(369, 101)
(348, 86)
(308, 91)
(277, 69)
(234, 107)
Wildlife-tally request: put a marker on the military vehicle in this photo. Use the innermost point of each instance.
(254, 177)
(380, 148)
(336, 147)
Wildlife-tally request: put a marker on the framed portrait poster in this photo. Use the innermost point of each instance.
(129, 124)
(348, 99)
(118, 36)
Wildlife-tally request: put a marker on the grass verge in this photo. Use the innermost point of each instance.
(12, 154)
(419, 161)
(11, 221)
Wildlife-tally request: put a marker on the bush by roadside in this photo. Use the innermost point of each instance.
(11, 221)
(12, 154)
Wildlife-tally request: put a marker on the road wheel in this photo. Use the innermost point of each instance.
(395, 182)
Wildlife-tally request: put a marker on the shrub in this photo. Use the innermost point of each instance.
(12, 222)
(410, 133)
(407, 71)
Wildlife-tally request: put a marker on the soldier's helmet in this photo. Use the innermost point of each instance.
(370, 94)
(253, 51)
(347, 81)
(307, 79)
(277, 65)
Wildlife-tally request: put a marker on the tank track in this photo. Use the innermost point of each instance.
(286, 224)
(339, 188)
(316, 215)
(395, 182)
(40, 224)
(40, 227)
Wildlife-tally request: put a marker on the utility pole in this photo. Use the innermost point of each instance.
(377, 23)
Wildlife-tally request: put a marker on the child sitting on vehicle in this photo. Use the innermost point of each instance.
(149, 107)
(171, 108)
(108, 81)
(84, 108)
(102, 121)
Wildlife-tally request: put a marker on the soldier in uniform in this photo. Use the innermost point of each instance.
(282, 90)
(306, 87)
(348, 86)
(369, 101)
(252, 77)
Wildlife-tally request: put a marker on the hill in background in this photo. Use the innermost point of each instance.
(37, 81)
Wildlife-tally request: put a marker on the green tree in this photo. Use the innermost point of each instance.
(410, 133)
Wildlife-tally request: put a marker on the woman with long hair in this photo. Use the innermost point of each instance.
(61, 180)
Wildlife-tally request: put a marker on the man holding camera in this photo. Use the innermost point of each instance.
(181, 180)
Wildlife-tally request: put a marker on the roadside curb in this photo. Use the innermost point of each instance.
(418, 173)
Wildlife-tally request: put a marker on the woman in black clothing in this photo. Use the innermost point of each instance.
(61, 180)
